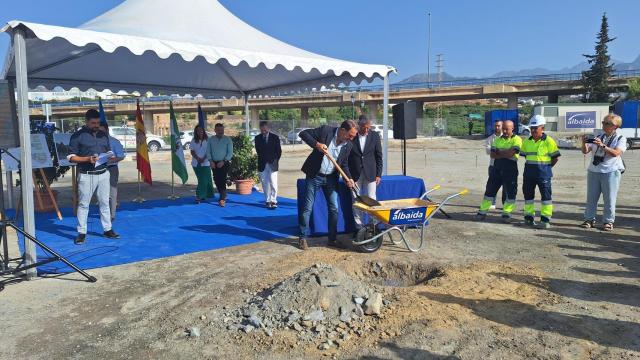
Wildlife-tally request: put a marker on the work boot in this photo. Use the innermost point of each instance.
(79, 240)
(529, 221)
(302, 243)
(222, 202)
(544, 225)
(111, 234)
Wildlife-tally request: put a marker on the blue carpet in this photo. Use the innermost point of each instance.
(162, 228)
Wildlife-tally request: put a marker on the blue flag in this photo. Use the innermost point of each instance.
(202, 119)
(103, 117)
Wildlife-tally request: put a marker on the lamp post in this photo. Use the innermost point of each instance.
(429, 52)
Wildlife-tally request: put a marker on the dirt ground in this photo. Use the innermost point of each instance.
(503, 291)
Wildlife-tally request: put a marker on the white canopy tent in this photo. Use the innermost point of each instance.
(187, 47)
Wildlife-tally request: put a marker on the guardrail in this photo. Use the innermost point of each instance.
(372, 88)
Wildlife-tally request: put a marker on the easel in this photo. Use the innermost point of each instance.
(49, 192)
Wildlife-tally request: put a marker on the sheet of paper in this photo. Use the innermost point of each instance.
(103, 158)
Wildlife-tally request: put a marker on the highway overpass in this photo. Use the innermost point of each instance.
(510, 88)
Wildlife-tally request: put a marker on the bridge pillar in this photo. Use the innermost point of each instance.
(420, 116)
(512, 101)
(304, 116)
(372, 112)
(552, 98)
(149, 122)
(254, 117)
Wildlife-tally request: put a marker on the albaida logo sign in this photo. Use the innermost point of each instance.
(581, 120)
(407, 216)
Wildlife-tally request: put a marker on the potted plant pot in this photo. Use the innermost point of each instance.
(244, 165)
(244, 187)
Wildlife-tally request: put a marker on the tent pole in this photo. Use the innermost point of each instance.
(385, 126)
(22, 88)
(247, 120)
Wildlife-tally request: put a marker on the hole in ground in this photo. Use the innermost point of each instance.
(395, 274)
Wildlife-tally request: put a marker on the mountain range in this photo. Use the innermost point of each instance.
(618, 65)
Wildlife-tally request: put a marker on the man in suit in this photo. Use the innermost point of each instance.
(365, 162)
(322, 174)
(268, 149)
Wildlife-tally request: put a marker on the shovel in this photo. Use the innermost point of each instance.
(360, 198)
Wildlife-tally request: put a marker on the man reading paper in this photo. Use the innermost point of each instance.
(85, 147)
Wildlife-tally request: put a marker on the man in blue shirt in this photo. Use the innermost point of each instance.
(321, 174)
(114, 172)
(85, 147)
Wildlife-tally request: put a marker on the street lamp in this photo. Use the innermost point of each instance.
(429, 52)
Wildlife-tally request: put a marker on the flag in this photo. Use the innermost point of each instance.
(202, 119)
(142, 153)
(103, 117)
(177, 152)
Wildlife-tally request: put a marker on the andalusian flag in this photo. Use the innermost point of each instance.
(177, 152)
(142, 153)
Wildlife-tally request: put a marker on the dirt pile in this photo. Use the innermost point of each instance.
(320, 304)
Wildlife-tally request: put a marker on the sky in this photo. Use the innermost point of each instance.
(477, 37)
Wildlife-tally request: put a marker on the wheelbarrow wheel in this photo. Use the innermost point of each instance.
(368, 232)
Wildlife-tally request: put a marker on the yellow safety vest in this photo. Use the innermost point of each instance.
(538, 155)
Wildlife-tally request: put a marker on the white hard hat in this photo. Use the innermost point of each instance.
(537, 120)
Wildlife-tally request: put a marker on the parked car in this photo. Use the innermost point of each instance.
(127, 136)
(186, 137)
(293, 136)
(379, 128)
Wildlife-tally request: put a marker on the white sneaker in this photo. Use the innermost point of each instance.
(492, 207)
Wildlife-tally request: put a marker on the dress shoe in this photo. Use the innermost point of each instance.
(79, 240)
(111, 234)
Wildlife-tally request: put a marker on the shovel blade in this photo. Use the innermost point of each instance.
(367, 200)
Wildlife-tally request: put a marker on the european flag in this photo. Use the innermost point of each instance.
(103, 117)
(202, 119)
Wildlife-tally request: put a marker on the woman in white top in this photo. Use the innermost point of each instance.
(201, 164)
(603, 174)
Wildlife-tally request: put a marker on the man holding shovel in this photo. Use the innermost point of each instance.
(328, 143)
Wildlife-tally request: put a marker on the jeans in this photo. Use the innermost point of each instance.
(546, 204)
(329, 185)
(87, 185)
(606, 184)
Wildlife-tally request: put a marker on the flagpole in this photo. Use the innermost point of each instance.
(173, 195)
(139, 198)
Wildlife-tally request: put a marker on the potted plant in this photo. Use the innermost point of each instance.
(244, 165)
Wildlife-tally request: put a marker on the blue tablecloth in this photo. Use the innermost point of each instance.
(392, 187)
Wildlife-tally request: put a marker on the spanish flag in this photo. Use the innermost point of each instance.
(142, 153)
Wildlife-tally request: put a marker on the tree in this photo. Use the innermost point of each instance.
(634, 89)
(596, 79)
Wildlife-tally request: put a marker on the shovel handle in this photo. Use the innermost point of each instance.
(355, 189)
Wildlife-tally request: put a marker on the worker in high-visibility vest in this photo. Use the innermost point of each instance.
(541, 154)
(505, 150)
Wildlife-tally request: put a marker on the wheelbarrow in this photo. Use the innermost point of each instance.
(397, 216)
